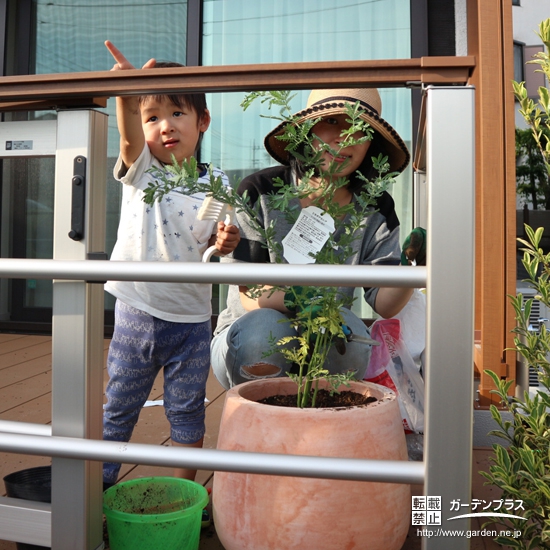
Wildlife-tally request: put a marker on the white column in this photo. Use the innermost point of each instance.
(77, 333)
(450, 169)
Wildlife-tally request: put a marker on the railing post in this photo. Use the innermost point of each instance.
(450, 171)
(77, 327)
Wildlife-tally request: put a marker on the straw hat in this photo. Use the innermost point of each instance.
(323, 103)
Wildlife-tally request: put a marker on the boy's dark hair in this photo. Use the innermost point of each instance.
(366, 168)
(195, 101)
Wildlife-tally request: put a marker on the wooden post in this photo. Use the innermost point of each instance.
(490, 40)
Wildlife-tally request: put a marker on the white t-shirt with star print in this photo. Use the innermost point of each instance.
(167, 231)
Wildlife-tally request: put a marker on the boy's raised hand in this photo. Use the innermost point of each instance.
(121, 62)
(132, 138)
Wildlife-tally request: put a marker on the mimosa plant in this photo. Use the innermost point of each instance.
(316, 310)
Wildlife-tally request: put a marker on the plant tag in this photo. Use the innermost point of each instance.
(307, 236)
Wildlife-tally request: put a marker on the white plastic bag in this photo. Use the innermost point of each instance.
(391, 365)
(413, 325)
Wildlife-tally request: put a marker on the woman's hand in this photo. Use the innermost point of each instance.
(414, 248)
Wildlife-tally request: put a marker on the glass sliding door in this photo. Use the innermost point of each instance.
(31, 178)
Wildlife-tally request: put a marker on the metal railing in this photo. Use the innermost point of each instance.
(449, 276)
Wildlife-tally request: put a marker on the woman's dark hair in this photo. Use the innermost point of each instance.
(366, 168)
(195, 101)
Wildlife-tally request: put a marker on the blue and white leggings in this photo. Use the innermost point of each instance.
(140, 346)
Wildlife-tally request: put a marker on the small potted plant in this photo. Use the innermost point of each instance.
(520, 467)
(254, 511)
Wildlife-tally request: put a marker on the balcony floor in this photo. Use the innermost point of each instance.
(25, 395)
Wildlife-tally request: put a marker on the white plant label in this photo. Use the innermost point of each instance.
(307, 236)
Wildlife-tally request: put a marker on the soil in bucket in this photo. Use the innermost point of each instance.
(31, 484)
(154, 512)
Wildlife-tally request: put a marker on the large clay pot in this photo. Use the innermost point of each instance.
(261, 512)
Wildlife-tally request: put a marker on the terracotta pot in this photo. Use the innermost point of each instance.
(261, 512)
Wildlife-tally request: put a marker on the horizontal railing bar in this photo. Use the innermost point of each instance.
(388, 471)
(27, 428)
(197, 272)
(227, 78)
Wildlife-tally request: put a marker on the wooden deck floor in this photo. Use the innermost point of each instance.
(25, 395)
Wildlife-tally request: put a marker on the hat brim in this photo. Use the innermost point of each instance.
(398, 154)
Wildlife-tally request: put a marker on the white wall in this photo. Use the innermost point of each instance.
(526, 20)
(461, 28)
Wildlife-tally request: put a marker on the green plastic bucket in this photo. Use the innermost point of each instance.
(154, 512)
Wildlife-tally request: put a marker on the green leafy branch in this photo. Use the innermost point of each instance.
(317, 316)
(521, 466)
(537, 114)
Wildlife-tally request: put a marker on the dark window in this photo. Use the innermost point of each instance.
(519, 61)
(441, 27)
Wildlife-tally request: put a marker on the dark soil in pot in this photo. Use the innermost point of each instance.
(324, 400)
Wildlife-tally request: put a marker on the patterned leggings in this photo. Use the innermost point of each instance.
(140, 346)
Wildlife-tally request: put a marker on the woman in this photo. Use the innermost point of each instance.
(249, 322)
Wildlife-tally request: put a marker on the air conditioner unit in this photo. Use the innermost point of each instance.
(540, 313)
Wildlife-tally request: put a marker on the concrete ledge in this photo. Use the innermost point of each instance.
(26, 521)
(483, 424)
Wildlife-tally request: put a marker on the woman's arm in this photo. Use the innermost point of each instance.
(272, 300)
(390, 301)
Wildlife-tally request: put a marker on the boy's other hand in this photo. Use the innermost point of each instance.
(122, 63)
(227, 238)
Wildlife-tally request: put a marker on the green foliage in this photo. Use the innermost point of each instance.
(274, 98)
(521, 467)
(317, 310)
(532, 178)
(536, 114)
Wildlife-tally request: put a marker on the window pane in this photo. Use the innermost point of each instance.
(33, 179)
(248, 31)
(252, 31)
(70, 34)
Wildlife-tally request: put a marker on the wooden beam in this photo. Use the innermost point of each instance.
(60, 88)
(44, 104)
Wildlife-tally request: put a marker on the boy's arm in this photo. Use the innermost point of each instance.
(128, 114)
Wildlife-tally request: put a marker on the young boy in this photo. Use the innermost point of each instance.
(160, 324)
